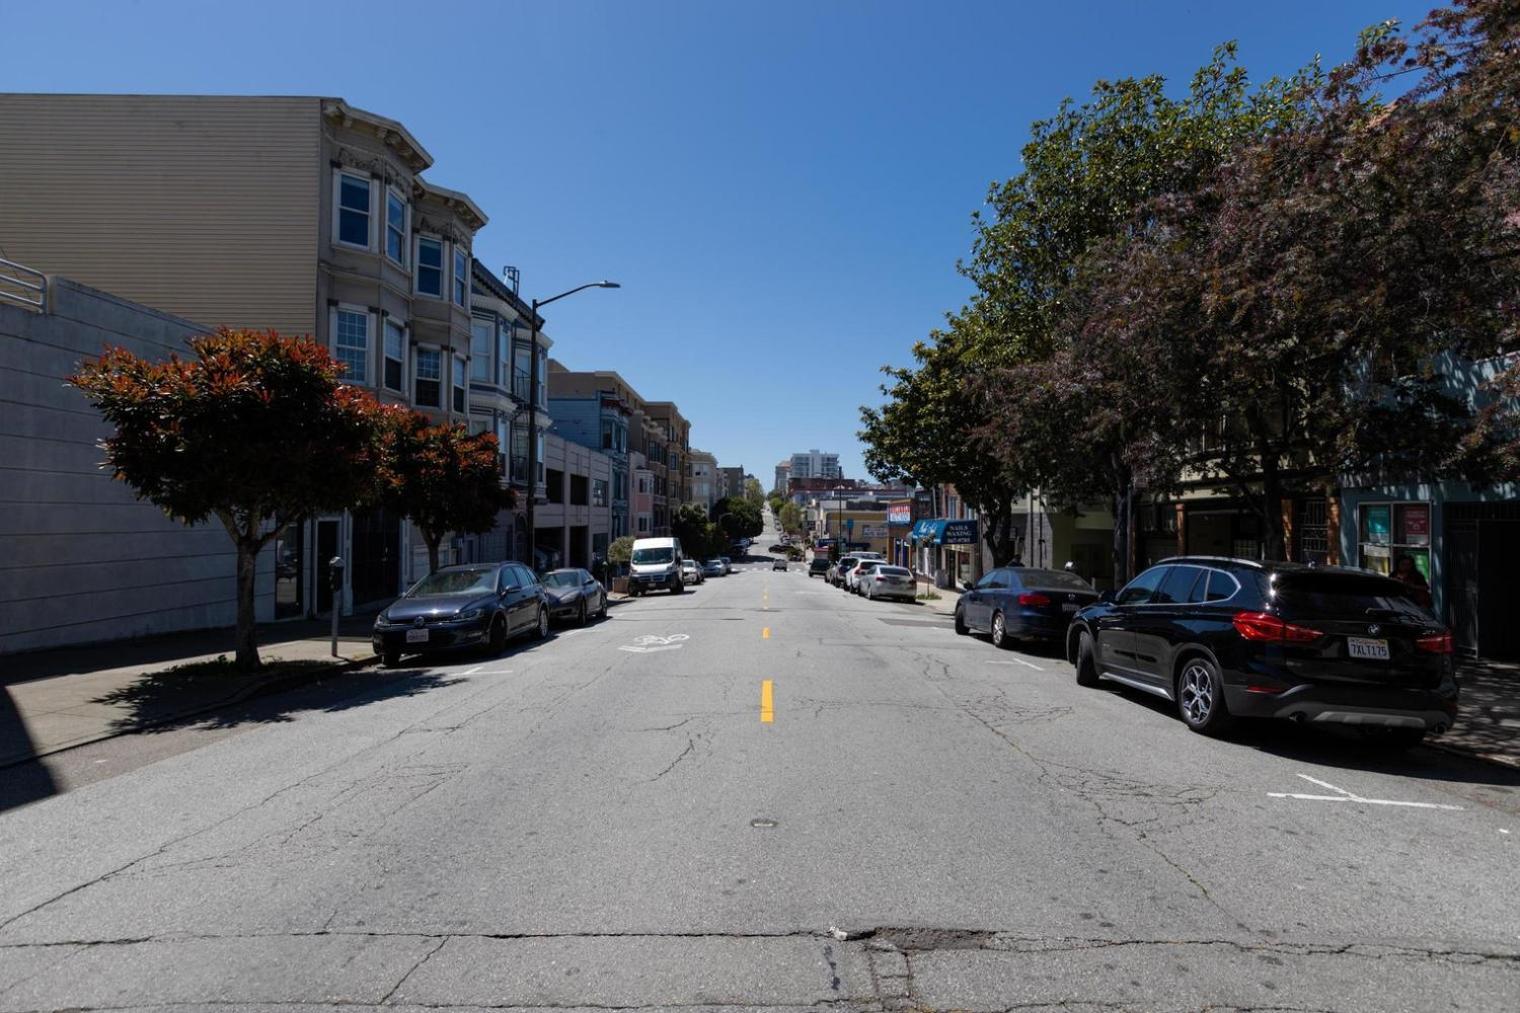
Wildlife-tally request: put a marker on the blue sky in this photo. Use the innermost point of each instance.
(783, 188)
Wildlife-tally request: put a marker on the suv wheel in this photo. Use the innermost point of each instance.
(1087, 666)
(1000, 631)
(1200, 696)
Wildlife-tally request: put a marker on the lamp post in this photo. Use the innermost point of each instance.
(533, 407)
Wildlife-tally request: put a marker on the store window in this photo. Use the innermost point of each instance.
(1387, 531)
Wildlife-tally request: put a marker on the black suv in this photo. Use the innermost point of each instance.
(819, 567)
(1226, 638)
(479, 605)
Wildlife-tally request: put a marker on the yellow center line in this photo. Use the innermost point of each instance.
(767, 703)
(765, 634)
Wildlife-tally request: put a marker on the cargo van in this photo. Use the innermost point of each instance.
(655, 564)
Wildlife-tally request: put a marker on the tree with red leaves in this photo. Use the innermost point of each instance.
(442, 477)
(254, 429)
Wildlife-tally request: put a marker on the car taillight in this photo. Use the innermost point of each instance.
(1035, 600)
(1435, 643)
(1265, 626)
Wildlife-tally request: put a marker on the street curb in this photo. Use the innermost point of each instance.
(1493, 759)
(246, 693)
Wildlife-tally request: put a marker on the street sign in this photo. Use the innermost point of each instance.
(849, 525)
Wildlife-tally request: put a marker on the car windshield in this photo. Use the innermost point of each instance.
(663, 554)
(715, 562)
(482, 581)
(1051, 580)
(562, 578)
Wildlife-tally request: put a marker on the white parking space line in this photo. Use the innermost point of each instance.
(1346, 796)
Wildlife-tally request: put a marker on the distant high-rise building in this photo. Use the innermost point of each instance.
(783, 472)
(730, 482)
(815, 464)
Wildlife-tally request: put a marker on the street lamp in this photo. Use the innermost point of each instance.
(533, 408)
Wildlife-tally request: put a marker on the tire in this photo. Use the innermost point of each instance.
(1087, 666)
(390, 659)
(541, 632)
(602, 614)
(960, 623)
(497, 641)
(999, 628)
(1200, 696)
(580, 618)
(679, 588)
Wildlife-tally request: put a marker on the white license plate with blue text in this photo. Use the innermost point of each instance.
(416, 636)
(1366, 647)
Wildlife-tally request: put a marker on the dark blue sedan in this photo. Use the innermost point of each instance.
(1022, 603)
(457, 607)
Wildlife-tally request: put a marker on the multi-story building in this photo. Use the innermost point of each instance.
(730, 482)
(704, 478)
(815, 464)
(648, 437)
(641, 497)
(783, 472)
(675, 436)
(596, 409)
(572, 525)
(300, 214)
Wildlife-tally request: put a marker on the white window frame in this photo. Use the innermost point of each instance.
(461, 384)
(443, 267)
(385, 357)
(337, 210)
(369, 340)
(417, 351)
(460, 292)
(406, 225)
(483, 362)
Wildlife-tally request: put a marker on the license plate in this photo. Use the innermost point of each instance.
(416, 636)
(1365, 647)
(1070, 606)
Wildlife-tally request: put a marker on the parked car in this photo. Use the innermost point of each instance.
(857, 572)
(713, 568)
(819, 567)
(778, 547)
(691, 572)
(574, 594)
(1022, 603)
(655, 563)
(479, 605)
(839, 569)
(779, 564)
(887, 581)
(728, 565)
(1226, 638)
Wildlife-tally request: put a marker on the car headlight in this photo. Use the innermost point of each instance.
(382, 619)
(470, 615)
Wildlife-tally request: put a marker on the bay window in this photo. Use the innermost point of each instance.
(352, 209)
(351, 343)
(459, 383)
(430, 266)
(428, 369)
(395, 354)
(482, 340)
(395, 226)
(461, 275)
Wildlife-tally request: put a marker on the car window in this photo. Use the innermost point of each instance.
(1177, 586)
(1139, 590)
(525, 576)
(1349, 595)
(1222, 586)
(1049, 580)
(995, 579)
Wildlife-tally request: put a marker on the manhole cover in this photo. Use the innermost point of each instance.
(763, 823)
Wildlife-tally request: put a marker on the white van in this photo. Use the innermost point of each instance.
(656, 563)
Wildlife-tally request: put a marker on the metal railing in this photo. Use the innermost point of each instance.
(22, 286)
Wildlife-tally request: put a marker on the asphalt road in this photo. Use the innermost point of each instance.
(607, 820)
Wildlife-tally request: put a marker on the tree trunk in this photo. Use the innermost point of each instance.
(1124, 517)
(1271, 506)
(432, 544)
(247, 641)
(1000, 535)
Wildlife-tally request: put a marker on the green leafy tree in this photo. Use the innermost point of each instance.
(791, 518)
(621, 550)
(753, 491)
(738, 517)
(441, 477)
(253, 429)
(690, 524)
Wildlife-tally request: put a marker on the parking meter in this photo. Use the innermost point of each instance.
(335, 582)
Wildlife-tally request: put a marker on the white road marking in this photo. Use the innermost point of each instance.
(1346, 796)
(503, 671)
(651, 642)
(472, 671)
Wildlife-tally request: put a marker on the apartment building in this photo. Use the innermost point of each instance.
(815, 464)
(596, 409)
(571, 526)
(675, 435)
(730, 482)
(301, 214)
(783, 472)
(704, 478)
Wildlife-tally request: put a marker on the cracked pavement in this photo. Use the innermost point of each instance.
(572, 826)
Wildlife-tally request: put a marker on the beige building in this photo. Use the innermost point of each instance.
(674, 432)
(300, 214)
(704, 478)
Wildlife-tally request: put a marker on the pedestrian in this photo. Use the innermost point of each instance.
(1408, 574)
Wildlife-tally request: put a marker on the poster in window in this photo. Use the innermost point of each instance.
(1375, 519)
(1416, 520)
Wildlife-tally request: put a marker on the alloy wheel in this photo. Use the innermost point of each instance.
(543, 623)
(999, 632)
(1197, 693)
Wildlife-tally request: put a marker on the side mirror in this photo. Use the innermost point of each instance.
(510, 588)
(966, 585)
(1106, 597)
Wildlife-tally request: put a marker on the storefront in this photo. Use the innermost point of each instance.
(947, 549)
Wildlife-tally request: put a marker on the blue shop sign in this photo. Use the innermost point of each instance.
(958, 533)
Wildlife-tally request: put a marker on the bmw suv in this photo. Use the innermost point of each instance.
(1224, 638)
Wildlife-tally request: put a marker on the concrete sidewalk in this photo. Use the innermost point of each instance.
(55, 700)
